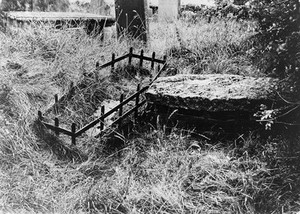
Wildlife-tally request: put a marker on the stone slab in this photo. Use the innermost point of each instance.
(52, 16)
(168, 10)
(213, 92)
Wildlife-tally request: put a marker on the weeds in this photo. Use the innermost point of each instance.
(151, 172)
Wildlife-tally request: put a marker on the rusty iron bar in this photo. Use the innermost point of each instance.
(40, 116)
(141, 58)
(117, 121)
(148, 58)
(56, 104)
(160, 70)
(152, 61)
(116, 108)
(137, 100)
(56, 124)
(115, 61)
(165, 59)
(130, 55)
(113, 56)
(121, 108)
(73, 136)
(102, 122)
(57, 129)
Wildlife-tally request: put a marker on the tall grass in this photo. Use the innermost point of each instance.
(154, 172)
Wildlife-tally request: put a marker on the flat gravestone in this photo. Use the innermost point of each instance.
(168, 10)
(212, 103)
(132, 18)
(99, 7)
(213, 92)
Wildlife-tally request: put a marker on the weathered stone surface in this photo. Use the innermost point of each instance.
(213, 92)
(100, 7)
(168, 10)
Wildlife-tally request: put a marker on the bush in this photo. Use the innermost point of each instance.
(279, 40)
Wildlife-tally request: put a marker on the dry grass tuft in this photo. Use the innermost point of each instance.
(152, 172)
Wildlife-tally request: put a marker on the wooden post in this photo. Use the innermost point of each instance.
(121, 108)
(137, 100)
(102, 122)
(152, 61)
(113, 56)
(73, 130)
(56, 104)
(141, 58)
(130, 55)
(56, 124)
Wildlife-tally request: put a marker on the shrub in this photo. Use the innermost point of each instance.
(279, 40)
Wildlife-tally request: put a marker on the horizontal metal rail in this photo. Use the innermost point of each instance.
(129, 112)
(158, 74)
(95, 122)
(58, 129)
(148, 58)
(112, 62)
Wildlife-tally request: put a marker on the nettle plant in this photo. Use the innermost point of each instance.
(279, 38)
(278, 48)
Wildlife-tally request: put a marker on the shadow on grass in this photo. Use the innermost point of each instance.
(56, 145)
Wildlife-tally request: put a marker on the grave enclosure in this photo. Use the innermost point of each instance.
(74, 132)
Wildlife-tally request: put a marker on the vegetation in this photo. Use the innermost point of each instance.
(151, 171)
(39, 5)
(279, 36)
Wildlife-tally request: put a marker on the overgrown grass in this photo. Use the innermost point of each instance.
(153, 172)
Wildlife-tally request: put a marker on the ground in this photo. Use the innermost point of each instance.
(151, 171)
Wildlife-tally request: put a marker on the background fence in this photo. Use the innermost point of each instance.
(136, 97)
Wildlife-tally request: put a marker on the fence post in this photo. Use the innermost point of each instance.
(73, 130)
(121, 108)
(56, 124)
(165, 58)
(113, 56)
(152, 61)
(56, 104)
(97, 69)
(102, 122)
(137, 100)
(71, 91)
(130, 55)
(40, 115)
(141, 58)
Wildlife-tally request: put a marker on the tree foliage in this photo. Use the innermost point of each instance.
(52, 5)
(39, 5)
(279, 39)
(14, 5)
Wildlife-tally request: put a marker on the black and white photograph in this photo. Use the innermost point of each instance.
(149, 106)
